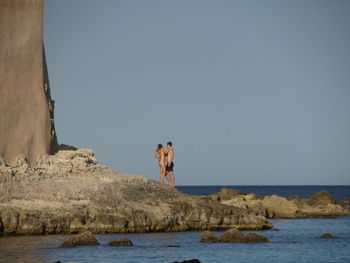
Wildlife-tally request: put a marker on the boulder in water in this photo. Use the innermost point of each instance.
(83, 239)
(328, 235)
(232, 235)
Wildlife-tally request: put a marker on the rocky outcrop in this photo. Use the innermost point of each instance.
(321, 204)
(83, 239)
(345, 203)
(233, 235)
(122, 242)
(70, 192)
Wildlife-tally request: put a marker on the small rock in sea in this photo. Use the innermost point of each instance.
(208, 237)
(173, 246)
(232, 235)
(188, 261)
(276, 229)
(123, 242)
(328, 235)
(83, 239)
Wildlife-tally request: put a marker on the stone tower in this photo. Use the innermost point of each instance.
(26, 109)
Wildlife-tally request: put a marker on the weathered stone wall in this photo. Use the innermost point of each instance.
(26, 110)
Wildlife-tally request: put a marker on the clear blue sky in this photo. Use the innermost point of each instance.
(250, 92)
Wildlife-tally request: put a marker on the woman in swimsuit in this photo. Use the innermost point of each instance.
(160, 155)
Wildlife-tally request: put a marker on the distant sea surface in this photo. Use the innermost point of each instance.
(303, 191)
(297, 240)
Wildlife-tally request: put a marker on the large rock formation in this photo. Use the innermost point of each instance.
(26, 109)
(71, 192)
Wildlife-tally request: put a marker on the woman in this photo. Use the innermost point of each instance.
(160, 155)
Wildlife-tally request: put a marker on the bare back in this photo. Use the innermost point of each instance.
(170, 156)
(161, 153)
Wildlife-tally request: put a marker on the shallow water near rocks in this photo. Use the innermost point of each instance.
(296, 241)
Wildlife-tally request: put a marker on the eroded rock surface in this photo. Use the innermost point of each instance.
(321, 204)
(70, 192)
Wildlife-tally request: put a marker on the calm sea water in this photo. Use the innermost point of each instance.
(296, 241)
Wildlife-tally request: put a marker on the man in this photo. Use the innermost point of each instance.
(160, 155)
(170, 164)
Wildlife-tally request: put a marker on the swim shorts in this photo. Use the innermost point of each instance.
(169, 168)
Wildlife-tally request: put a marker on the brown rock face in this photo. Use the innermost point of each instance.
(84, 239)
(26, 110)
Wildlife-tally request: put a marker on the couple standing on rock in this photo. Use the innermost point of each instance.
(166, 165)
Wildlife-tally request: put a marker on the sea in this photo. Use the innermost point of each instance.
(292, 240)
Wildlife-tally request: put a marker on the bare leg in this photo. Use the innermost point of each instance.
(172, 179)
(162, 174)
(167, 177)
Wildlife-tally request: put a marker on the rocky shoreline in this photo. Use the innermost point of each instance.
(70, 192)
(320, 205)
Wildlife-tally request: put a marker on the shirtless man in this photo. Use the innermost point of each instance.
(170, 164)
(160, 155)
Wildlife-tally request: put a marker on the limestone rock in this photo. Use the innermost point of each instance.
(123, 242)
(225, 194)
(83, 239)
(320, 205)
(208, 237)
(321, 198)
(232, 235)
(71, 192)
(279, 207)
(345, 203)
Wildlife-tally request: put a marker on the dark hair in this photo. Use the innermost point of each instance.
(169, 143)
(159, 146)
